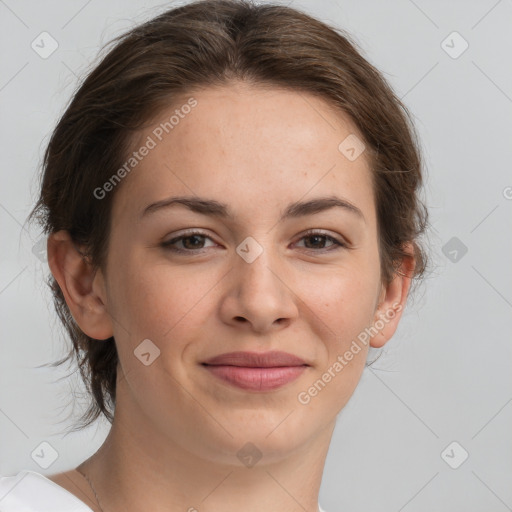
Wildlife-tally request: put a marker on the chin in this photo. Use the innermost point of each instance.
(267, 439)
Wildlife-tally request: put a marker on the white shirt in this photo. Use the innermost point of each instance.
(29, 491)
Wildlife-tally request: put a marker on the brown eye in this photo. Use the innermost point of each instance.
(317, 240)
(190, 242)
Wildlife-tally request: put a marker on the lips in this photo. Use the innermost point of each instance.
(256, 359)
(256, 371)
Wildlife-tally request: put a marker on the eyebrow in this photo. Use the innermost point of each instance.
(214, 208)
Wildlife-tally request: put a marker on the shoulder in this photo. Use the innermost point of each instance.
(29, 491)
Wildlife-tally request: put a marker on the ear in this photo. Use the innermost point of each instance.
(83, 287)
(392, 301)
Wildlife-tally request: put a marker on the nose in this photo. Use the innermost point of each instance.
(259, 295)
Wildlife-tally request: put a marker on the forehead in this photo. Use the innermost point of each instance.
(251, 146)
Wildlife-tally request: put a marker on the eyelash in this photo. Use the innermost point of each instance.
(168, 244)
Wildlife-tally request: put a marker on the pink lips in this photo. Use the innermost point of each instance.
(256, 371)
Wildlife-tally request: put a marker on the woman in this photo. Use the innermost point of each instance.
(232, 206)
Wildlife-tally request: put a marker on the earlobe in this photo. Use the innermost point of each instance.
(390, 308)
(77, 280)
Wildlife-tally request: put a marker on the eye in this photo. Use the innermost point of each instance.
(194, 242)
(191, 241)
(318, 236)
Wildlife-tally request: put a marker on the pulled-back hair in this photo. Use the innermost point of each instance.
(213, 43)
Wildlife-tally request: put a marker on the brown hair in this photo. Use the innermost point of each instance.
(207, 43)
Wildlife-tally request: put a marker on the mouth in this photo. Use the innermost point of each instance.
(264, 371)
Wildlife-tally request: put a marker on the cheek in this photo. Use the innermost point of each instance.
(342, 307)
(343, 298)
(161, 300)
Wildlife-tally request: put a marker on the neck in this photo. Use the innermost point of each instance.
(140, 468)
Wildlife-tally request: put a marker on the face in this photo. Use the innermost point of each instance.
(250, 272)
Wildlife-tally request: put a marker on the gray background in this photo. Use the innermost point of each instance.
(444, 377)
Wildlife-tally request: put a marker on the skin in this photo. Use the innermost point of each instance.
(177, 428)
